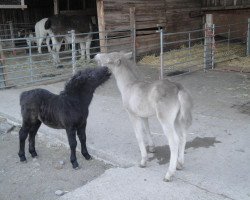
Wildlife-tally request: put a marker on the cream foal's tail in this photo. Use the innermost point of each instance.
(186, 107)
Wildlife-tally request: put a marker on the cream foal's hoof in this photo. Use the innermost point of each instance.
(143, 164)
(168, 178)
(179, 166)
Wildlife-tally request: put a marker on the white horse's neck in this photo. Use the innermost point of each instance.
(125, 77)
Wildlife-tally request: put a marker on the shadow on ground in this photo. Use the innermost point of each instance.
(162, 153)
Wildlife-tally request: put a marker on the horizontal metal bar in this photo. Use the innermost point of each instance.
(243, 23)
(182, 41)
(187, 61)
(184, 32)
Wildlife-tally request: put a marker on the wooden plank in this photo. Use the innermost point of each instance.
(13, 6)
(56, 7)
(91, 11)
(226, 8)
(101, 25)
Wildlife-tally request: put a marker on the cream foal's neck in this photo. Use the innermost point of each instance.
(125, 77)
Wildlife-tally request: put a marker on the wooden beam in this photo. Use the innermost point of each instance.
(225, 8)
(56, 7)
(101, 25)
(13, 6)
(90, 12)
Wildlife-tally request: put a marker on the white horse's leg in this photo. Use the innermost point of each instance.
(39, 45)
(47, 43)
(83, 49)
(138, 128)
(54, 42)
(151, 145)
(88, 43)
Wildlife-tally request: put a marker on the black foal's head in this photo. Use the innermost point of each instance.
(87, 80)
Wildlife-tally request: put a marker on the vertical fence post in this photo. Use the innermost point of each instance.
(213, 46)
(3, 72)
(133, 31)
(209, 43)
(228, 37)
(73, 43)
(189, 44)
(30, 61)
(12, 35)
(160, 30)
(248, 37)
(134, 44)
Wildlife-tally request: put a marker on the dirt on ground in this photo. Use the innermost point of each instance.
(46, 177)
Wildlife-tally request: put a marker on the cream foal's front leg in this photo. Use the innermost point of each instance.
(138, 128)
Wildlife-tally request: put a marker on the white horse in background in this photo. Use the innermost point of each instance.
(62, 24)
(41, 34)
(169, 101)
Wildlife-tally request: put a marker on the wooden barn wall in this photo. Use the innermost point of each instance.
(239, 18)
(148, 14)
(173, 14)
(181, 16)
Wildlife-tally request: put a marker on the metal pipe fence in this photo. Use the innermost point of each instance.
(202, 49)
(23, 65)
(180, 52)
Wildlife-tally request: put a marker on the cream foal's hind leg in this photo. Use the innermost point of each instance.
(180, 127)
(138, 125)
(146, 129)
(167, 120)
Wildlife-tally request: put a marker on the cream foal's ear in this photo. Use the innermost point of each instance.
(128, 55)
(117, 61)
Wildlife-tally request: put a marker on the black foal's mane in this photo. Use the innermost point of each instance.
(76, 82)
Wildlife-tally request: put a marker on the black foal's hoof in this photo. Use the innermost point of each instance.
(23, 159)
(87, 156)
(33, 154)
(75, 165)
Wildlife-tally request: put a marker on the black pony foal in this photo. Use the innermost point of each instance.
(68, 110)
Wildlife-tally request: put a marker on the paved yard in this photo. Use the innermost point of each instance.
(217, 151)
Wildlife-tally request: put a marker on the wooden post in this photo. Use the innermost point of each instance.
(101, 25)
(133, 31)
(56, 7)
(3, 71)
(248, 37)
(209, 42)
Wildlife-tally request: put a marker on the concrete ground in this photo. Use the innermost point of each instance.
(217, 151)
(41, 177)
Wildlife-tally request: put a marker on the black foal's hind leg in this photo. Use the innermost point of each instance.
(71, 133)
(32, 135)
(23, 133)
(82, 137)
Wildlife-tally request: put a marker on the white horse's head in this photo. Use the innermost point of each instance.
(112, 60)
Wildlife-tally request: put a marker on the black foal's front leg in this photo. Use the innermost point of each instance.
(71, 133)
(82, 137)
(23, 134)
(32, 135)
